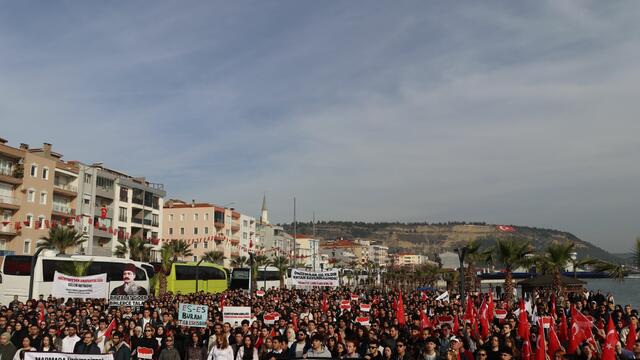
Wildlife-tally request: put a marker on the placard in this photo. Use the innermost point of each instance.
(193, 315)
(315, 278)
(235, 314)
(127, 300)
(29, 355)
(363, 320)
(84, 287)
(365, 307)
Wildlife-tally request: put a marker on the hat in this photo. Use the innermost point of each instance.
(129, 267)
(453, 338)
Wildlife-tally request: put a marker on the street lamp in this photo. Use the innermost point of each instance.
(197, 273)
(462, 253)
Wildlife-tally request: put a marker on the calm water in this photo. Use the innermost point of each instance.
(625, 292)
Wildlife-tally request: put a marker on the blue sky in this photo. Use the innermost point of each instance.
(505, 112)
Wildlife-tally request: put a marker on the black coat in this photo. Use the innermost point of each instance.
(82, 348)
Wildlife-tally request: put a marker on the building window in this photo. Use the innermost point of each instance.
(170, 231)
(104, 183)
(245, 223)
(181, 231)
(87, 178)
(195, 231)
(195, 217)
(206, 216)
(31, 195)
(124, 194)
(122, 214)
(43, 197)
(206, 230)
(206, 245)
(34, 170)
(155, 220)
(26, 248)
(181, 217)
(195, 258)
(29, 220)
(244, 235)
(45, 173)
(195, 245)
(41, 222)
(170, 217)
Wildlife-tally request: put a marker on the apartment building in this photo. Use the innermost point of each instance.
(37, 189)
(208, 227)
(308, 252)
(380, 255)
(413, 260)
(117, 206)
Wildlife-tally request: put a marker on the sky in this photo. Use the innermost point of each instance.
(522, 113)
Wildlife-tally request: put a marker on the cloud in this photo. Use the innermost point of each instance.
(518, 113)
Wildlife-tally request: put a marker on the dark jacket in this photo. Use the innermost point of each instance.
(82, 348)
(7, 351)
(292, 349)
(169, 354)
(121, 353)
(150, 343)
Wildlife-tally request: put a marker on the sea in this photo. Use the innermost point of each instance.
(624, 292)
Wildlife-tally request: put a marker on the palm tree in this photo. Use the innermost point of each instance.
(554, 261)
(239, 262)
(135, 247)
(615, 271)
(61, 238)
(282, 264)
(473, 256)
(75, 268)
(213, 256)
(180, 249)
(512, 254)
(169, 254)
(636, 253)
(259, 261)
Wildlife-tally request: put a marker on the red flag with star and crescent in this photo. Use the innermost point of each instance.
(609, 349)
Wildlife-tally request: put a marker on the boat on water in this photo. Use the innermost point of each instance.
(500, 275)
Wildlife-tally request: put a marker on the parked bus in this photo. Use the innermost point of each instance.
(268, 278)
(212, 278)
(16, 270)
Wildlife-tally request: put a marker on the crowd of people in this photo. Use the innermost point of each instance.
(340, 323)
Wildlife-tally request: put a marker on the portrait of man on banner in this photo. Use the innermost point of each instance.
(129, 287)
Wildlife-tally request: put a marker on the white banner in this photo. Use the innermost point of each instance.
(85, 287)
(28, 355)
(315, 278)
(443, 297)
(235, 314)
(193, 315)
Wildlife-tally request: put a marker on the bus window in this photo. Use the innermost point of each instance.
(241, 274)
(113, 270)
(17, 265)
(210, 273)
(185, 272)
(268, 276)
(150, 271)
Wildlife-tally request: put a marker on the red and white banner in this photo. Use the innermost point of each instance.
(345, 304)
(85, 287)
(29, 355)
(445, 319)
(355, 297)
(506, 228)
(363, 320)
(365, 307)
(144, 352)
(260, 293)
(500, 314)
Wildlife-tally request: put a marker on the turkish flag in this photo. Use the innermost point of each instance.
(580, 330)
(554, 342)
(554, 314)
(400, 312)
(145, 353)
(523, 321)
(325, 303)
(490, 307)
(631, 337)
(609, 349)
(526, 347)
(222, 299)
(424, 320)
(540, 343)
(110, 328)
(564, 330)
(470, 311)
(484, 319)
(423, 296)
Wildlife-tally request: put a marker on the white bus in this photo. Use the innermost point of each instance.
(16, 271)
(268, 277)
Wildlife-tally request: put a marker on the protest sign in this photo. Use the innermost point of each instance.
(192, 315)
(314, 278)
(84, 287)
(235, 314)
(29, 355)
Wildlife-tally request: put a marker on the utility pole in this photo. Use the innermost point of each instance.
(315, 248)
(295, 233)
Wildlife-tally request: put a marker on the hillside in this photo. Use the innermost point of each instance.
(429, 239)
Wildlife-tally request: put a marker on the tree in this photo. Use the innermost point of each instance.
(239, 262)
(136, 248)
(636, 253)
(169, 254)
(473, 256)
(511, 253)
(214, 256)
(615, 271)
(554, 260)
(75, 268)
(282, 264)
(259, 261)
(61, 238)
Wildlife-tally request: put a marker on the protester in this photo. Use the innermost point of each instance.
(7, 349)
(119, 348)
(26, 346)
(87, 345)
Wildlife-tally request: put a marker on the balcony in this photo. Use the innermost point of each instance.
(98, 211)
(218, 223)
(8, 229)
(9, 202)
(9, 176)
(62, 210)
(98, 232)
(235, 241)
(235, 228)
(65, 189)
(136, 220)
(105, 192)
(218, 239)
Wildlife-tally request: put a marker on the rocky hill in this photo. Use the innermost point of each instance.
(429, 239)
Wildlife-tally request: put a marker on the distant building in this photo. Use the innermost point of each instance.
(308, 250)
(208, 227)
(413, 260)
(380, 255)
(449, 260)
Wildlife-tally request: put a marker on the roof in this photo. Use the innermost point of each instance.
(546, 280)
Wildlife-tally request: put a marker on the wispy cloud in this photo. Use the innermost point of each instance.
(496, 111)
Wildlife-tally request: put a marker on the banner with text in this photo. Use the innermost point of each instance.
(315, 278)
(235, 314)
(28, 355)
(193, 315)
(85, 287)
